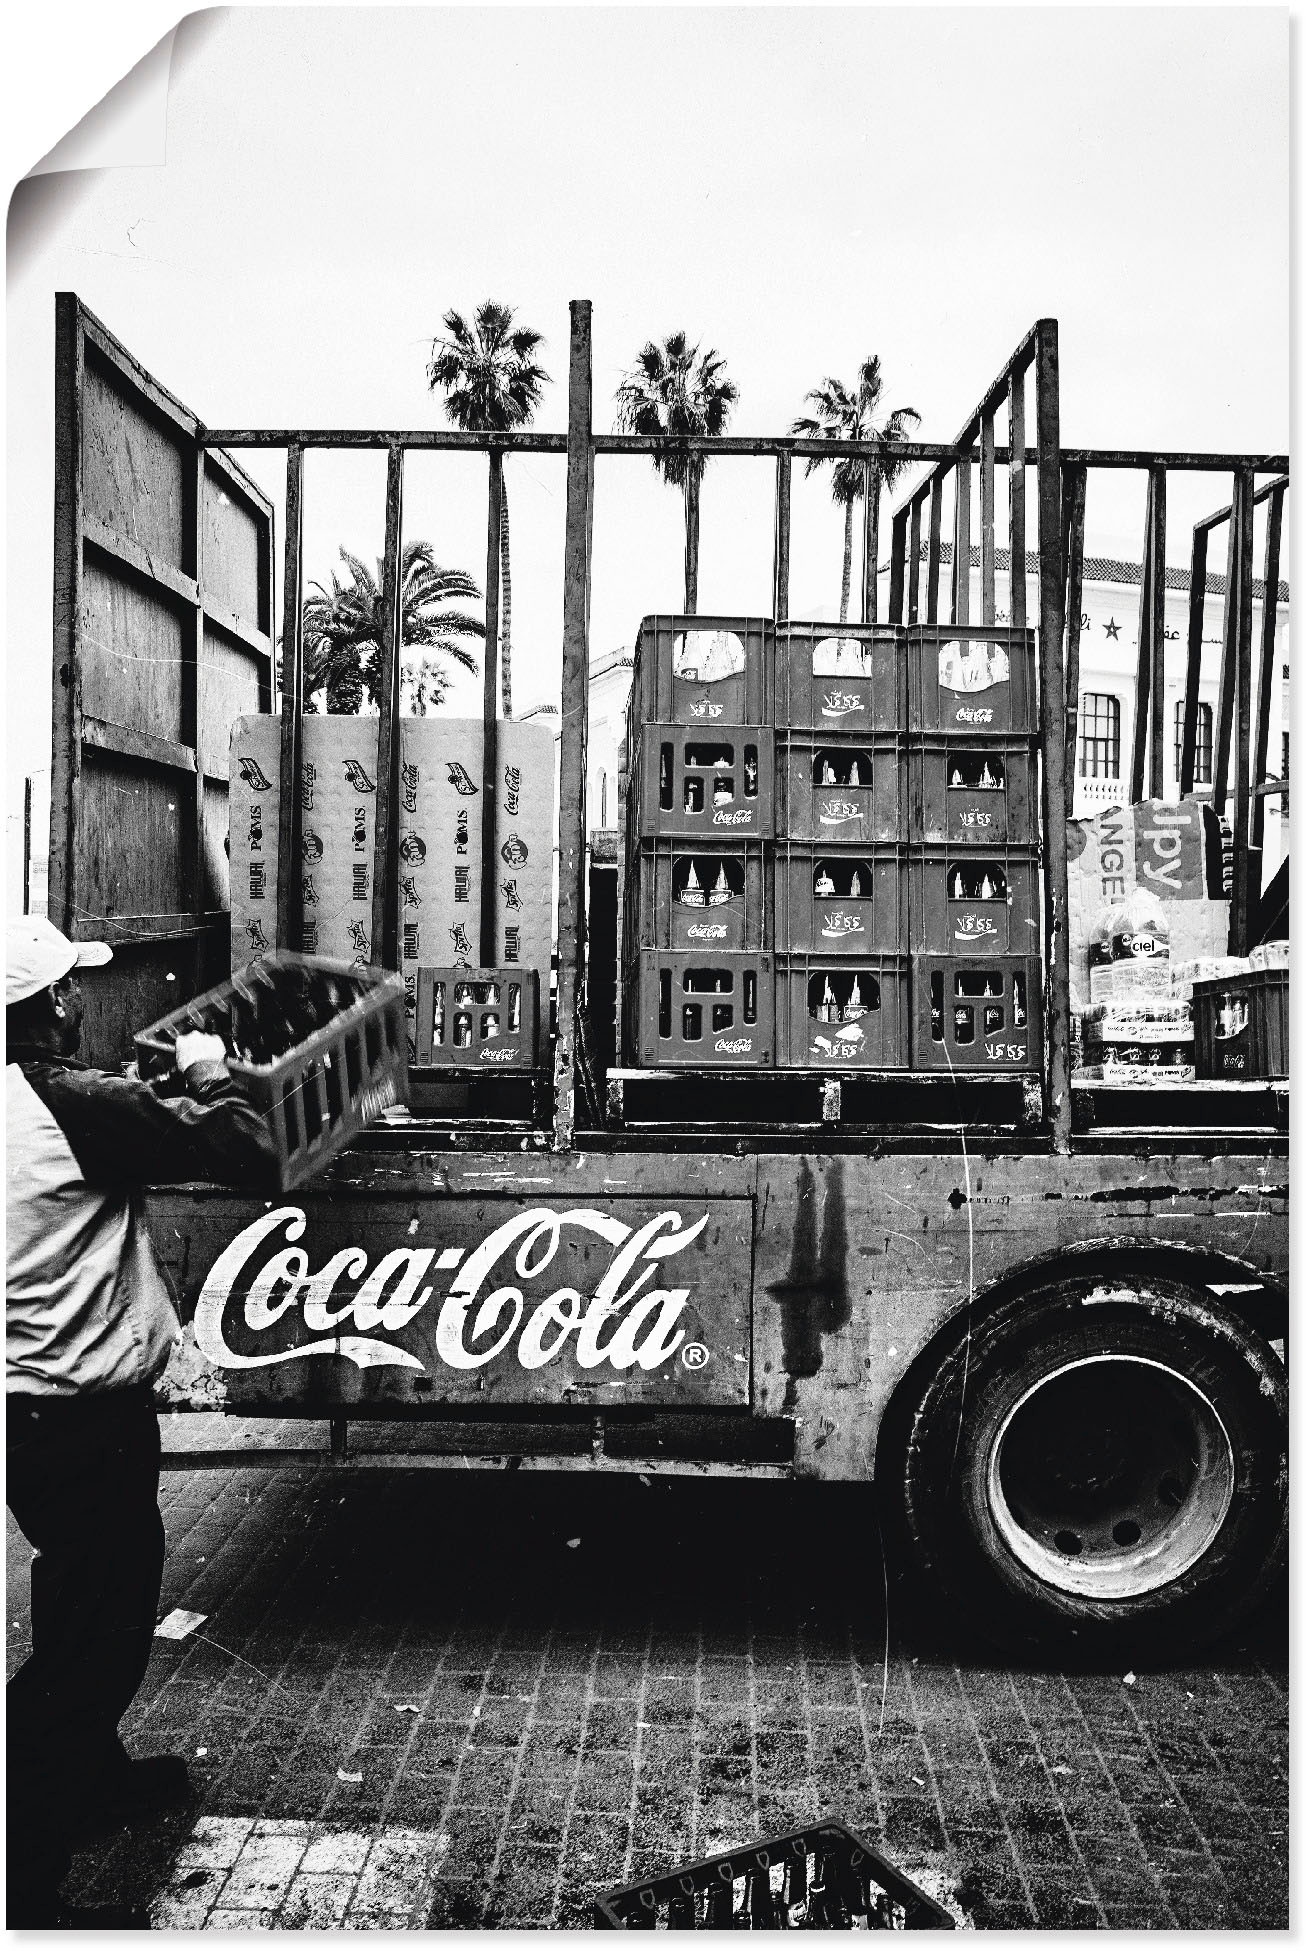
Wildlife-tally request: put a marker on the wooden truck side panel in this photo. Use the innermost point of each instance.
(799, 1286)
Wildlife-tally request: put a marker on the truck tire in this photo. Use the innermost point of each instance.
(1102, 1460)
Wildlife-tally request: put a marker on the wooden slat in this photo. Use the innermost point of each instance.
(289, 908)
(960, 580)
(899, 548)
(1194, 646)
(934, 552)
(986, 500)
(386, 832)
(1238, 938)
(1144, 617)
(490, 703)
(1059, 1097)
(248, 635)
(782, 539)
(64, 888)
(872, 536)
(573, 718)
(1267, 646)
(1227, 675)
(1075, 498)
(127, 743)
(128, 554)
(1017, 504)
(915, 556)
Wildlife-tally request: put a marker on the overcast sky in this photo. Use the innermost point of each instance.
(795, 187)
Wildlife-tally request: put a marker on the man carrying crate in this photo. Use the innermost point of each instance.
(89, 1326)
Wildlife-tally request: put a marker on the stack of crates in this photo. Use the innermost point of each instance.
(831, 854)
(974, 890)
(697, 966)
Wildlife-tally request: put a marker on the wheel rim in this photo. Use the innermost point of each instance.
(1110, 1477)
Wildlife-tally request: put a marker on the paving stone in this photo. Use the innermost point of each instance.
(263, 1871)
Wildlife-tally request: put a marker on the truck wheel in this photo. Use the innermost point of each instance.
(1101, 1459)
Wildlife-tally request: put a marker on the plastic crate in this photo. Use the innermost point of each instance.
(971, 679)
(703, 784)
(842, 1014)
(820, 1878)
(963, 901)
(1242, 1025)
(839, 900)
(971, 1015)
(682, 896)
(478, 1019)
(697, 1011)
(321, 1091)
(704, 671)
(841, 677)
(967, 791)
(841, 788)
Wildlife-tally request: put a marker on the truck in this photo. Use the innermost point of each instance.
(1041, 1323)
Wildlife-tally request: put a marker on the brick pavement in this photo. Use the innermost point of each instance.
(416, 1699)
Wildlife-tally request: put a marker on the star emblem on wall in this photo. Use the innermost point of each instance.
(1111, 628)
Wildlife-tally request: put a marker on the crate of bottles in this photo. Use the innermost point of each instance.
(840, 789)
(977, 1015)
(1242, 1025)
(702, 784)
(684, 896)
(840, 900)
(840, 677)
(971, 791)
(318, 1045)
(970, 901)
(824, 1878)
(704, 670)
(971, 679)
(477, 1019)
(699, 1010)
(843, 1014)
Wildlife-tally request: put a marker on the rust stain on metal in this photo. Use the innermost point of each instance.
(814, 1296)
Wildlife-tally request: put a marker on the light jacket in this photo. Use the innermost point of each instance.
(87, 1307)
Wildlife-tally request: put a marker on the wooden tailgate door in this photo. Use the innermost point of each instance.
(163, 633)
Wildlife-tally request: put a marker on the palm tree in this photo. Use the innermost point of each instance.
(492, 384)
(343, 632)
(675, 391)
(844, 415)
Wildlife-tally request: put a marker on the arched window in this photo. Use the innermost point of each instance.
(1099, 735)
(1204, 742)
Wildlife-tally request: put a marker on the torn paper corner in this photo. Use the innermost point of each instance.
(179, 1623)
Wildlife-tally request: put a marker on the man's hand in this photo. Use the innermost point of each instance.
(199, 1047)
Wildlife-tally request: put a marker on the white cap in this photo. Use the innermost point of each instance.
(37, 956)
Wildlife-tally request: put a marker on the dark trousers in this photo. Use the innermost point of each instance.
(83, 1484)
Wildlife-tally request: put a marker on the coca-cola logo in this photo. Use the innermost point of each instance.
(839, 922)
(743, 816)
(622, 1323)
(706, 708)
(707, 931)
(839, 704)
(838, 812)
(733, 1046)
(971, 927)
(498, 1053)
(974, 714)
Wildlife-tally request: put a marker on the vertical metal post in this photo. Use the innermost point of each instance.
(1238, 937)
(899, 546)
(1267, 646)
(691, 558)
(782, 540)
(573, 719)
(872, 537)
(289, 905)
(1227, 678)
(986, 499)
(1194, 645)
(487, 952)
(934, 550)
(1158, 578)
(915, 555)
(1017, 499)
(1144, 625)
(960, 606)
(27, 845)
(1059, 1101)
(1075, 524)
(386, 833)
